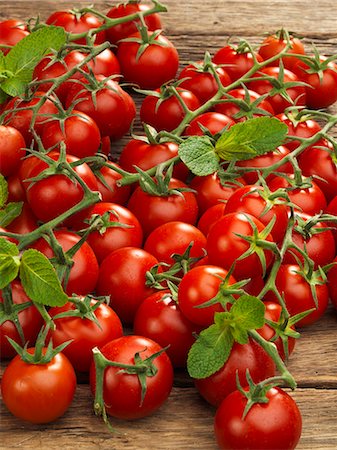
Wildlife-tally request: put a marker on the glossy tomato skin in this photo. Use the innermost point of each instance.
(210, 216)
(25, 222)
(16, 192)
(79, 133)
(159, 318)
(105, 63)
(11, 32)
(84, 272)
(175, 237)
(109, 190)
(211, 191)
(224, 247)
(157, 64)
(57, 190)
(213, 121)
(202, 83)
(249, 356)
(247, 199)
(122, 391)
(12, 145)
(38, 393)
(128, 234)
(147, 155)
(30, 320)
(272, 45)
(123, 30)
(122, 276)
(274, 425)
(74, 23)
(167, 113)
(297, 294)
(279, 103)
(155, 210)
(109, 106)
(236, 63)
(198, 286)
(84, 334)
(302, 128)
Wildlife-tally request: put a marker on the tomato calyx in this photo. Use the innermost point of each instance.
(142, 369)
(84, 308)
(248, 108)
(102, 223)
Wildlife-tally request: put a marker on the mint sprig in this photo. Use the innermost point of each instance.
(214, 344)
(198, 153)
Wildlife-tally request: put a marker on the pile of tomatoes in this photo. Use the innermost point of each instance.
(149, 255)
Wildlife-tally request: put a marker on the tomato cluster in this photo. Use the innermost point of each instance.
(141, 240)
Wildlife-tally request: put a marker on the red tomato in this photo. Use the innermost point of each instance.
(12, 145)
(211, 190)
(249, 356)
(214, 122)
(234, 111)
(155, 210)
(84, 271)
(25, 222)
(309, 198)
(201, 81)
(105, 63)
(122, 276)
(225, 247)
(29, 319)
(251, 199)
(57, 190)
(274, 425)
(73, 22)
(123, 30)
(166, 112)
(16, 193)
(146, 155)
(159, 318)
(297, 294)
(11, 32)
(198, 286)
(106, 103)
(84, 333)
(273, 44)
(122, 391)
(106, 183)
(175, 237)
(38, 393)
(303, 128)
(210, 216)
(121, 229)
(78, 131)
(236, 61)
(156, 65)
(21, 119)
(297, 94)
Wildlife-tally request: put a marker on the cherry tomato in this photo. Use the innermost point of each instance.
(249, 356)
(29, 319)
(121, 390)
(38, 393)
(106, 183)
(274, 425)
(236, 62)
(105, 63)
(12, 145)
(175, 237)
(11, 32)
(214, 122)
(273, 44)
(25, 222)
(303, 128)
(210, 216)
(84, 271)
(84, 333)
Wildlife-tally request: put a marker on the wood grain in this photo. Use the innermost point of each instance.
(186, 421)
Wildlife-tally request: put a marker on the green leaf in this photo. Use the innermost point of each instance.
(3, 190)
(39, 279)
(10, 212)
(25, 55)
(9, 262)
(247, 314)
(251, 138)
(212, 348)
(198, 153)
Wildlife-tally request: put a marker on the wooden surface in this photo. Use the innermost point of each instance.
(185, 421)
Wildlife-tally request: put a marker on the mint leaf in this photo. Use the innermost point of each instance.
(212, 348)
(251, 138)
(3, 190)
(9, 262)
(198, 153)
(39, 279)
(247, 314)
(21, 60)
(10, 212)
